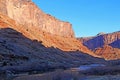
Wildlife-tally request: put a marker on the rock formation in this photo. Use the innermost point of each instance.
(21, 50)
(108, 52)
(115, 44)
(106, 45)
(31, 40)
(25, 17)
(25, 45)
(27, 13)
(48, 40)
(18, 16)
(101, 33)
(100, 40)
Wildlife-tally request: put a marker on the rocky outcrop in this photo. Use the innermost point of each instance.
(115, 44)
(101, 40)
(108, 52)
(48, 40)
(27, 18)
(101, 33)
(98, 45)
(93, 42)
(25, 12)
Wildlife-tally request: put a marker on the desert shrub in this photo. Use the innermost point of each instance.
(4, 64)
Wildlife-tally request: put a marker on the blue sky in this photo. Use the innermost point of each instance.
(88, 17)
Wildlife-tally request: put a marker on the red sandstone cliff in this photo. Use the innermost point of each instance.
(105, 45)
(28, 19)
(25, 48)
(108, 52)
(48, 40)
(100, 40)
(27, 13)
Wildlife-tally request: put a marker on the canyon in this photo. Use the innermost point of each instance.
(37, 25)
(34, 41)
(25, 42)
(105, 45)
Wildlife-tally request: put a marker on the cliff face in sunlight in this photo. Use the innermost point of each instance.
(108, 52)
(106, 45)
(100, 40)
(28, 19)
(23, 50)
(31, 40)
(27, 13)
(48, 40)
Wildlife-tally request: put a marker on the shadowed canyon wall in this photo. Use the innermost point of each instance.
(105, 45)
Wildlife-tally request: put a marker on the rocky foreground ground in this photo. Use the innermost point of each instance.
(98, 73)
(108, 71)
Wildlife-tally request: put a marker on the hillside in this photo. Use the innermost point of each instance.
(47, 39)
(104, 44)
(25, 47)
(20, 53)
(28, 19)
